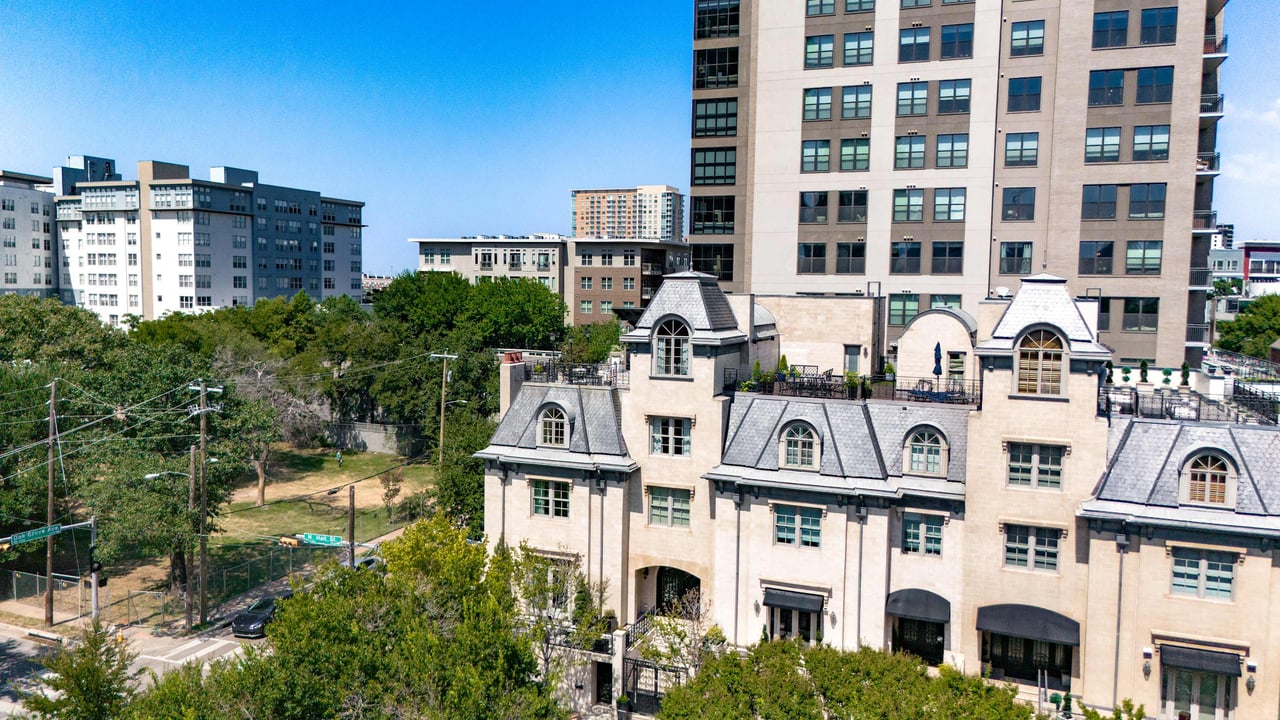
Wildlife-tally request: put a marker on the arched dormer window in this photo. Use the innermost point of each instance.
(1208, 479)
(554, 430)
(671, 348)
(1040, 363)
(925, 452)
(800, 447)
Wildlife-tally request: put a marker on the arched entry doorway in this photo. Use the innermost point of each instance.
(673, 588)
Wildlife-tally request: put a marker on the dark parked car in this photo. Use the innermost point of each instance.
(253, 621)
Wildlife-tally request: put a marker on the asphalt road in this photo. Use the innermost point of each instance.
(20, 668)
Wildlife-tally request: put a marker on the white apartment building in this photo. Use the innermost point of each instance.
(168, 243)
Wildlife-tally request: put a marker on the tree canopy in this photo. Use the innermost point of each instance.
(1255, 328)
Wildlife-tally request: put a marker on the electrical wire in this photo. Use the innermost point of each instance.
(330, 490)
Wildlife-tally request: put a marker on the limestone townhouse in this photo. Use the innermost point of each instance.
(1001, 506)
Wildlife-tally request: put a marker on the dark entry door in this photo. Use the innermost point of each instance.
(921, 638)
(604, 683)
(673, 585)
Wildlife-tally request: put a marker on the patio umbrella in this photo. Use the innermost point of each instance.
(937, 359)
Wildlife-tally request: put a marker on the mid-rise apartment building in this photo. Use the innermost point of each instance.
(28, 254)
(169, 243)
(1121, 546)
(935, 151)
(597, 277)
(647, 211)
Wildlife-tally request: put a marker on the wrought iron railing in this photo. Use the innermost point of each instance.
(1211, 104)
(640, 627)
(1245, 406)
(1201, 277)
(1204, 220)
(1214, 45)
(830, 385)
(613, 375)
(1207, 161)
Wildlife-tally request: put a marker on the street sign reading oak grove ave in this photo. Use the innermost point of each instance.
(37, 534)
(316, 539)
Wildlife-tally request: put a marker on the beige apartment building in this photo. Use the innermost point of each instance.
(1004, 508)
(647, 211)
(933, 152)
(597, 277)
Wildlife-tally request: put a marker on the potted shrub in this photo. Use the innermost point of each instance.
(1186, 375)
(1066, 705)
(890, 372)
(624, 705)
(1056, 700)
(1168, 376)
(783, 368)
(1142, 371)
(1124, 374)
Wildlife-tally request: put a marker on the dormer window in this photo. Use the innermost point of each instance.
(671, 348)
(1040, 363)
(1208, 479)
(925, 453)
(800, 447)
(554, 430)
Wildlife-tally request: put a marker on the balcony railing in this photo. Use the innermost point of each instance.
(514, 265)
(1245, 406)
(829, 385)
(1214, 45)
(607, 374)
(1204, 220)
(486, 265)
(1198, 333)
(1200, 277)
(651, 268)
(544, 266)
(1207, 162)
(1211, 104)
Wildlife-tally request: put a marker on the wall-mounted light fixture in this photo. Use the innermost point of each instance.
(756, 605)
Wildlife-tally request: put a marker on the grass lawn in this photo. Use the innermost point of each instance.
(293, 473)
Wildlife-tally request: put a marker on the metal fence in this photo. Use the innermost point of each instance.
(70, 596)
(272, 563)
(1245, 406)
(646, 683)
(606, 373)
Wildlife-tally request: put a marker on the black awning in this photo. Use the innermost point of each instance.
(792, 600)
(918, 605)
(1223, 663)
(1030, 622)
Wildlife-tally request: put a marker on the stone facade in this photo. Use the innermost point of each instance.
(1019, 532)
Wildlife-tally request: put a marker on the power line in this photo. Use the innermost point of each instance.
(329, 490)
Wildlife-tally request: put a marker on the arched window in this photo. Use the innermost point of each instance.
(925, 453)
(1207, 479)
(1040, 363)
(800, 447)
(554, 428)
(671, 348)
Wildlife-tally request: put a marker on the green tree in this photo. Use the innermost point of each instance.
(423, 303)
(514, 313)
(591, 343)
(1255, 328)
(47, 330)
(89, 681)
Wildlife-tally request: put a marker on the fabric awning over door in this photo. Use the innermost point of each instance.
(1223, 663)
(918, 605)
(1030, 622)
(805, 602)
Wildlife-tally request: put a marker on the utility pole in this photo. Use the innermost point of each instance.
(204, 506)
(94, 565)
(444, 378)
(48, 548)
(188, 598)
(351, 522)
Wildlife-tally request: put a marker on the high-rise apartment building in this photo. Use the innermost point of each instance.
(648, 211)
(934, 152)
(169, 243)
(28, 257)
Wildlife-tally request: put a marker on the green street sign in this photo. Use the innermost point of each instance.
(37, 534)
(316, 539)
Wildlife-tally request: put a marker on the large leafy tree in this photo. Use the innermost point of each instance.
(1255, 328)
(787, 679)
(90, 680)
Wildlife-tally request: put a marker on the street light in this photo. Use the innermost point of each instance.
(191, 507)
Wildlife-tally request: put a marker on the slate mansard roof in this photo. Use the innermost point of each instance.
(1143, 479)
(1043, 300)
(698, 300)
(861, 445)
(595, 431)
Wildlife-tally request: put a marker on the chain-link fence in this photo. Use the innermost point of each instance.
(71, 596)
(233, 571)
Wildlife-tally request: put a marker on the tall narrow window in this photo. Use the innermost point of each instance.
(1040, 363)
(800, 447)
(671, 348)
(554, 426)
(924, 453)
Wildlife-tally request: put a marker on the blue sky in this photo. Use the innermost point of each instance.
(445, 118)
